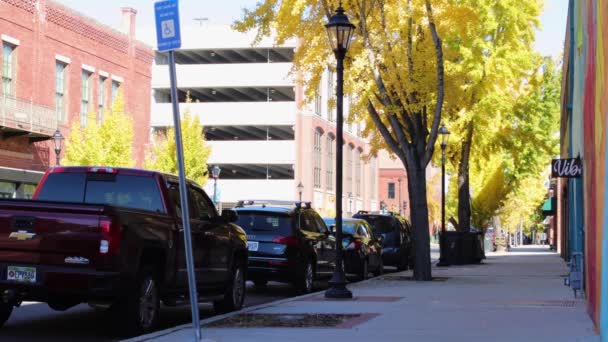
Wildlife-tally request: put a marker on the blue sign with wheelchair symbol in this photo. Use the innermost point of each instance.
(167, 25)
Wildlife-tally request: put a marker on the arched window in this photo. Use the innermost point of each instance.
(358, 172)
(349, 168)
(317, 158)
(329, 165)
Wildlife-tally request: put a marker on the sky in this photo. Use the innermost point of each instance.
(550, 39)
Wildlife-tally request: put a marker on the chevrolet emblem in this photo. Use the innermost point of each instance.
(21, 235)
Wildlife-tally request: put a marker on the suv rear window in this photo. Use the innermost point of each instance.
(272, 223)
(137, 192)
(380, 224)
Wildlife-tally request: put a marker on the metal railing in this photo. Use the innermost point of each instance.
(26, 115)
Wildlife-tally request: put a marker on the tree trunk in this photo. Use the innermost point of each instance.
(416, 177)
(464, 197)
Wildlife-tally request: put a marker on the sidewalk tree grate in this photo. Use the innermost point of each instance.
(407, 278)
(378, 299)
(304, 320)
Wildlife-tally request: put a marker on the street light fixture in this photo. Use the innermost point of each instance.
(443, 260)
(340, 32)
(300, 188)
(215, 173)
(58, 143)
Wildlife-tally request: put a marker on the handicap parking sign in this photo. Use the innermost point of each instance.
(167, 25)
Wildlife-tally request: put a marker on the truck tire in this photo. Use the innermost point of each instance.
(139, 310)
(234, 297)
(5, 312)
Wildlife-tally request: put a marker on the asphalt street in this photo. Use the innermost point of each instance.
(37, 322)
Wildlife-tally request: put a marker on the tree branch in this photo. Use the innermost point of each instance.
(440, 91)
(386, 134)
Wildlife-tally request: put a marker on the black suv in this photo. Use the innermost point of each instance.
(287, 242)
(397, 234)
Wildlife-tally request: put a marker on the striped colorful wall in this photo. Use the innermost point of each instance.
(586, 61)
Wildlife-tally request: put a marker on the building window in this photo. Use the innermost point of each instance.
(317, 159)
(330, 95)
(8, 69)
(85, 98)
(60, 90)
(101, 98)
(329, 173)
(391, 190)
(358, 172)
(349, 168)
(373, 180)
(115, 88)
(318, 100)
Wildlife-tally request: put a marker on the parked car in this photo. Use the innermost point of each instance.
(113, 237)
(362, 249)
(397, 237)
(287, 242)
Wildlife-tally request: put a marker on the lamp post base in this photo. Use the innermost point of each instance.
(337, 286)
(338, 291)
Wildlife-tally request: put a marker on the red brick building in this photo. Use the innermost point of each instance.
(393, 185)
(58, 65)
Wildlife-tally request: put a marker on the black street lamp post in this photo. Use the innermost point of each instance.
(300, 188)
(215, 173)
(340, 32)
(443, 260)
(58, 143)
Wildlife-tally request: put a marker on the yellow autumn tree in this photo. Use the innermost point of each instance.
(163, 153)
(109, 143)
(408, 60)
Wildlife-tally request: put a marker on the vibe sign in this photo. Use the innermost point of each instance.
(568, 168)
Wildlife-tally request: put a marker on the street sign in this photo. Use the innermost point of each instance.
(168, 35)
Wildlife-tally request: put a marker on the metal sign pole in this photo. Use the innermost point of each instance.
(168, 37)
(184, 199)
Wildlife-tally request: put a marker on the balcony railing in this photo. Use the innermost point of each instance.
(27, 116)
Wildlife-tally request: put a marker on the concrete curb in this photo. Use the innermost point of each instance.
(169, 331)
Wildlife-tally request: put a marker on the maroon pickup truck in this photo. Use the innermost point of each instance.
(113, 238)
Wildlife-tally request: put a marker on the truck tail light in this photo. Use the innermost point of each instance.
(110, 237)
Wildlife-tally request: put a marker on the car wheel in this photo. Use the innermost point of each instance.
(364, 270)
(139, 310)
(403, 262)
(234, 297)
(306, 282)
(380, 270)
(5, 312)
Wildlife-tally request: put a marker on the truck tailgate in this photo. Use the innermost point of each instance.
(51, 233)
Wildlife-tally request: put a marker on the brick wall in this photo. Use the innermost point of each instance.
(53, 29)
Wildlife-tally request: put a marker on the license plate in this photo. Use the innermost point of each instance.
(252, 246)
(21, 274)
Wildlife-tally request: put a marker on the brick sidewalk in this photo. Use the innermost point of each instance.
(515, 296)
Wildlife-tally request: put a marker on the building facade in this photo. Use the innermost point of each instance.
(582, 202)
(393, 194)
(57, 66)
(264, 135)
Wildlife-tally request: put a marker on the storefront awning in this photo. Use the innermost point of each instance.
(549, 206)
